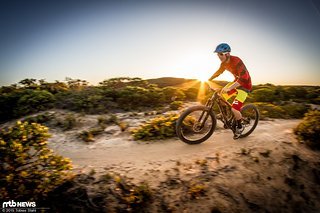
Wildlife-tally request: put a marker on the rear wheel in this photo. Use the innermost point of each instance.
(250, 117)
(196, 124)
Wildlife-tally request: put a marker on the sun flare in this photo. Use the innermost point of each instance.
(203, 77)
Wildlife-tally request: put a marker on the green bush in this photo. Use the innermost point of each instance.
(271, 110)
(308, 130)
(176, 105)
(191, 94)
(8, 104)
(263, 95)
(282, 111)
(41, 118)
(68, 122)
(296, 110)
(157, 128)
(34, 101)
(172, 94)
(88, 135)
(90, 100)
(28, 168)
(133, 97)
(103, 120)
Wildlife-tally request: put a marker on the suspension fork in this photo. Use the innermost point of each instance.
(209, 105)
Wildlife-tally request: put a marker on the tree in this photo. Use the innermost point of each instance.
(53, 88)
(29, 83)
(76, 84)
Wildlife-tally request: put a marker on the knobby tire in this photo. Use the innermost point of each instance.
(185, 114)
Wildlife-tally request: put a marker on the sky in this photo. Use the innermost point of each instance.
(94, 40)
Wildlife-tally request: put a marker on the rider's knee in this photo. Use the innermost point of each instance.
(237, 105)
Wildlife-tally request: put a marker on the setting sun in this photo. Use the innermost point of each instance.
(202, 78)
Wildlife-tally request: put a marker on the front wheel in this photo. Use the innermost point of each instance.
(250, 117)
(196, 124)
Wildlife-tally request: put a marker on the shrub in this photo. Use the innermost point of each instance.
(195, 191)
(136, 197)
(8, 103)
(308, 130)
(29, 169)
(41, 118)
(123, 126)
(271, 111)
(175, 105)
(113, 119)
(90, 100)
(291, 110)
(88, 135)
(296, 110)
(68, 122)
(264, 95)
(157, 128)
(34, 101)
(132, 97)
(191, 94)
(172, 94)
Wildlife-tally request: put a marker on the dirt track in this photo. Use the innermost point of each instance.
(137, 158)
(269, 171)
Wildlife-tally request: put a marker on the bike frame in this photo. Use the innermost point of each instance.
(217, 99)
(205, 127)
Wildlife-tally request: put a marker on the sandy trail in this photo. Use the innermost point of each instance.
(245, 175)
(141, 159)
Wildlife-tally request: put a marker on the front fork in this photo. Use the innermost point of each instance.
(202, 120)
(203, 117)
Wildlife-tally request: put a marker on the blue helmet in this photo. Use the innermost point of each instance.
(223, 48)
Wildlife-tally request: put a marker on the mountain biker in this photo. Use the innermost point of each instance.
(241, 85)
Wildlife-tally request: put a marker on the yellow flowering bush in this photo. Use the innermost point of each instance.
(160, 127)
(176, 105)
(28, 168)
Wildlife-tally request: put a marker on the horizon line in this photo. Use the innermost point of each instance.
(193, 79)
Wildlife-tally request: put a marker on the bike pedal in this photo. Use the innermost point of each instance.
(236, 136)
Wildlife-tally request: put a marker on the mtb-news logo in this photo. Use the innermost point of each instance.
(13, 206)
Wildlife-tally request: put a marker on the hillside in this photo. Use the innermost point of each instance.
(179, 82)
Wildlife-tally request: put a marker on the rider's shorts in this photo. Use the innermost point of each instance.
(240, 94)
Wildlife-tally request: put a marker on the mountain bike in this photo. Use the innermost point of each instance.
(197, 123)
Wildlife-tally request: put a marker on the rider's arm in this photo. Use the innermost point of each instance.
(217, 73)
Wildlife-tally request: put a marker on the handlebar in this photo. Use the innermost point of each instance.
(217, 90)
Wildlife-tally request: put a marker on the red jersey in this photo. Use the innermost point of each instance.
(239, 71)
